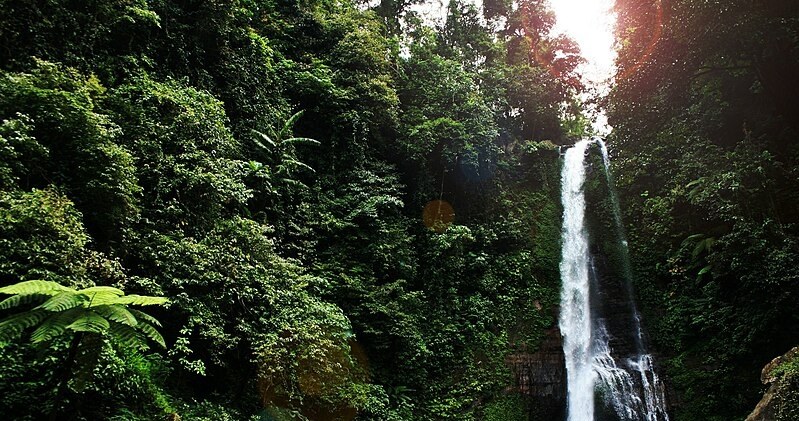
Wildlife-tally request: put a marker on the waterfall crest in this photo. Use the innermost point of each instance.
(627, 384)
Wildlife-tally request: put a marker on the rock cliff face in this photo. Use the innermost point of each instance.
(540, 377)
(776, 404)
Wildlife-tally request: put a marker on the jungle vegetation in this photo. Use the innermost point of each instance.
(354, 213)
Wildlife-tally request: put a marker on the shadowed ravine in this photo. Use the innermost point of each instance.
(610, 375)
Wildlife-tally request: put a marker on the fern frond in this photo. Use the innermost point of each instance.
(16, 300)
(116, 313)
(34, 287)
(55, 325)
(146, 317)
(127, 336)
(102, 298)
(101, 289)
(141, 300)
(151, 333)
(63, 301)
(90, 322)
(13, 326)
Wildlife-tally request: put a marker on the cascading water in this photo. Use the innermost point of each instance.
(628, 384)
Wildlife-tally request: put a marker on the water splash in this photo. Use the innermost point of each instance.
(628, 386)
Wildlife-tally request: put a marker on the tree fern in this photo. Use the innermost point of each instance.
(87, 357)
(102, 290)
(92, 316)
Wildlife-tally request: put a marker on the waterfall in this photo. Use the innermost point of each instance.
(628, 384)
(575, 310)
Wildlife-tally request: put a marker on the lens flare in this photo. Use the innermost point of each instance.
(438, 215)
(657, 31)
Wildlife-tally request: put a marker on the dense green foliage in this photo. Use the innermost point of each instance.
(704, 111)
(158, 146)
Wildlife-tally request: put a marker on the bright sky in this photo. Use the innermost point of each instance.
(590, 23)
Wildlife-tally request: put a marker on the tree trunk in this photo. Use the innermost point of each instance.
(63, 382)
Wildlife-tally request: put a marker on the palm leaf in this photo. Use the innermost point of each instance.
(266, 138)
(55, 325)
(295, 163)
(293, 140)
(13, 326)
(141, 300)
(34, 287)
(90, 322)
(146, 317)
(289, 124)
(694, 237)
(151, 333)
(63, 301)
(117, 313)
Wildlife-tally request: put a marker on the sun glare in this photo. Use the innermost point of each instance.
(590, 24)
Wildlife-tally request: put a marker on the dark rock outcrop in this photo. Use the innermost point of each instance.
(769, 407)
(540, 377)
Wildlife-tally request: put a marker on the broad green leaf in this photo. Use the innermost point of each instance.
(301, 140)
(290, 124)
(266, 138)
